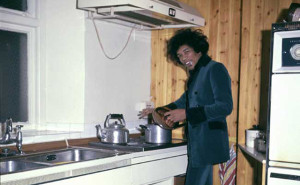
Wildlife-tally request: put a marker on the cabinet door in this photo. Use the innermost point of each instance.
(159, 171)
(119, 176)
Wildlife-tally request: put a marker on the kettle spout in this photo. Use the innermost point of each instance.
(99, 132)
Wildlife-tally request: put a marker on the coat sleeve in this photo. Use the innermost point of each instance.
(221, 89)
(179, 103)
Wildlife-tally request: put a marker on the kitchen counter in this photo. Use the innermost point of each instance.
(134, 168)
(258, 156)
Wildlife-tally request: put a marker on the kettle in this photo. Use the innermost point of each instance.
(113, 132)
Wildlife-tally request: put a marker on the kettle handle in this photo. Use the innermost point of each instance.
(114, 116)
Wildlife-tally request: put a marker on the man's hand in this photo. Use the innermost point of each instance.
(174, 116)
(145, 112)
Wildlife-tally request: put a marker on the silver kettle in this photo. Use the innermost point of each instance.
(113, 132)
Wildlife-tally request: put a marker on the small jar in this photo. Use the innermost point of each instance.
(251, 135)
(260, 143)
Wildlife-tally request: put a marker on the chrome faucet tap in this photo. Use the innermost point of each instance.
(6, 139)
(19, 139)
(7, 128)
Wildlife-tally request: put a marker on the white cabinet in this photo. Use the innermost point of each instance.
(119, 176)
(159, 170)
(157, 167)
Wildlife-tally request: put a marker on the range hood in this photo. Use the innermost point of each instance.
(147, 14)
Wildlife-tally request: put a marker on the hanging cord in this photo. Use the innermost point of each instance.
(98, 36)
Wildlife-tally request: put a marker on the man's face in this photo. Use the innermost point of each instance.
(188, 57)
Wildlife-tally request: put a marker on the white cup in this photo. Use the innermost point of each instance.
(251, 135)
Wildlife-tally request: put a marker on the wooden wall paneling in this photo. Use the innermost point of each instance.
(157, 69)
(257, 17)
(213, 39)
(164, 72)
(204, 8)
(154, 56)
(245, 32)
(213, 28)
(249, 81)
(250, 41)
(161, 71)
(234, 64)
(270, 15)
(223, 32)
(170, 76)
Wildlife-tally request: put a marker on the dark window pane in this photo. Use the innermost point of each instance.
(13, 76)
(20, 5)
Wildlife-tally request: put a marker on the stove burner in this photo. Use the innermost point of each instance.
(138, 145)
(133, 143)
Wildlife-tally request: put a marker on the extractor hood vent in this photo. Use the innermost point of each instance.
(148, 14)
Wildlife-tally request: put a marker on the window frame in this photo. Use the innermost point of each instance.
(31, 12)
(28, 23)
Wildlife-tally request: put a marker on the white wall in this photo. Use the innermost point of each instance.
(78, 84)
(62, 46)
(115, 86)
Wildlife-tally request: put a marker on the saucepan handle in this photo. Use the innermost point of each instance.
(144, 127)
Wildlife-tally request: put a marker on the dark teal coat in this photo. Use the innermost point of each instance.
(208, 100)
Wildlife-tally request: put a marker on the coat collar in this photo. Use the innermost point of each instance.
(203, 61)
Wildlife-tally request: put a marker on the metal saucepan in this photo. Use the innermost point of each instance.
(158, 131)
(156, 134)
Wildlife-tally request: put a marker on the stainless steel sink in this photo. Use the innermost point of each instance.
(70, 155)
(52, 158)
(11, 166)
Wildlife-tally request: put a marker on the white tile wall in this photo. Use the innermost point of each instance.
(62, 131)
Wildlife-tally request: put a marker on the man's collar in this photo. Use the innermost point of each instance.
(203, 61)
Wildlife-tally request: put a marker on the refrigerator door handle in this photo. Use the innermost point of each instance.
(285, 176)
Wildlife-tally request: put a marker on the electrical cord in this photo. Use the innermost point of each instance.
(102, 48)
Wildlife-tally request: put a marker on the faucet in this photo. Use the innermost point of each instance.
(7, 128)
(6, 139)
(19, 139)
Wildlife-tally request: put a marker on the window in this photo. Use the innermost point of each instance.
(13, 76)
(17, 60)
(20, 5)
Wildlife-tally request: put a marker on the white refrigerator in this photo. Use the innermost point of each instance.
(283, 151)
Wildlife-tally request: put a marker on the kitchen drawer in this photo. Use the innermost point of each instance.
(117, 176)
(158, 170)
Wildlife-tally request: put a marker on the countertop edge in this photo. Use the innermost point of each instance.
(260, 157)
(86, 167)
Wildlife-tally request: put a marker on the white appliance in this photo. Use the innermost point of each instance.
(283, 152)
(148, 14)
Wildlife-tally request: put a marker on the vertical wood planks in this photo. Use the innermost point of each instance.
(257, 17)
(249, 79)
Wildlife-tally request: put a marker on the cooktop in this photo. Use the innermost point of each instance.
(138, 144)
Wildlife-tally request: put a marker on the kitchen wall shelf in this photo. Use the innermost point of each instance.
(257, 156)
(260, 157)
